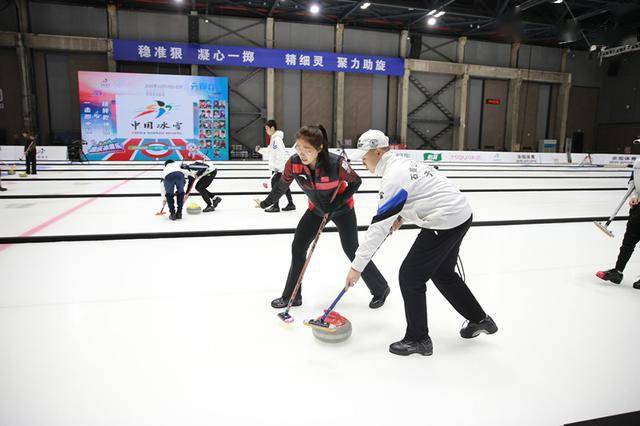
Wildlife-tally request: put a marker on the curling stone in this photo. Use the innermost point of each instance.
(194, 208)
(11, 171)
(341, 333)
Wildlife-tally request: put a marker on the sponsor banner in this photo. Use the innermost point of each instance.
(488, 157)
(255, 57)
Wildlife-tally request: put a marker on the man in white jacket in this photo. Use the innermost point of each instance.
(278, 156)
(416, 192)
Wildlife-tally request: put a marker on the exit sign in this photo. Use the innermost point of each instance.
(493, 101)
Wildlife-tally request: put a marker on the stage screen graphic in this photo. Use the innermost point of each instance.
(153, 117)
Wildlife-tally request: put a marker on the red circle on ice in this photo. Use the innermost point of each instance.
(157, 149)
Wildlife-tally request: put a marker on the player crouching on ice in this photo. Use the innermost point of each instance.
(172, 189)
(202, 174)
(417, 193)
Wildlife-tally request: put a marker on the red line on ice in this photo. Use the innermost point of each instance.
(66, 213)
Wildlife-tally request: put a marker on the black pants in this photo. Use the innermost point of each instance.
(274, 180)
(348, 229)
(174, 182)
(31, 163)
(202, 185)
(433, 256)
(631, 238)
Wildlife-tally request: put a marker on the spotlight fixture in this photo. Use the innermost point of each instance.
(431, 21)
(365, 5)
(432, 12)
(315, 9)
(439, 14)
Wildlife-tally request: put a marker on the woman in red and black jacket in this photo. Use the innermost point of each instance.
(318, 173)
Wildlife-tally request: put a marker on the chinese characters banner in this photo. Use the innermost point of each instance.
(182, 53)
(153, 117)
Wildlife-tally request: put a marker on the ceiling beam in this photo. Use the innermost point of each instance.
(272, 9)
(350, 11)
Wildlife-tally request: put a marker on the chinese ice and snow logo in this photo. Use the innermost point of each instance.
(160, 108)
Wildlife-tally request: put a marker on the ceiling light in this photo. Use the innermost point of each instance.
(557, 1)
(439, 14)
(315, 9)
(433, 12)
(365, 5)
(431, 21)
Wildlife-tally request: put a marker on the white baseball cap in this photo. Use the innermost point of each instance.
(371, 139)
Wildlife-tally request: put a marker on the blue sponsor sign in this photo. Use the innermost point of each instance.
(200, 54)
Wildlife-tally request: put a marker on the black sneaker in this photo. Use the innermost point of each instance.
(612, 275)
(636, 285)
(281, 302)
(378, 301)
(179, 215)
(208, 209)
(407, 347)
(216, 201)
(289, 207)
(172, 216)
(2, 189)
(473, 329)
(273, 209)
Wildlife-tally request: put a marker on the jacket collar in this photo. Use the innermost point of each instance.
(382, 164)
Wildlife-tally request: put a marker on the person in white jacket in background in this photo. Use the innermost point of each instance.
(278, 156)
(417, 193)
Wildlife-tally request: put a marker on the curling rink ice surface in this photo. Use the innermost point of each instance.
(179, 331)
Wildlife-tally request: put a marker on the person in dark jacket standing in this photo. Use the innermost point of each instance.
(2, 189)
(319, 173)
(28, 141)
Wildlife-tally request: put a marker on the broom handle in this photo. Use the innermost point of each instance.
(615, 212)
(346, 287)
(333, 305)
